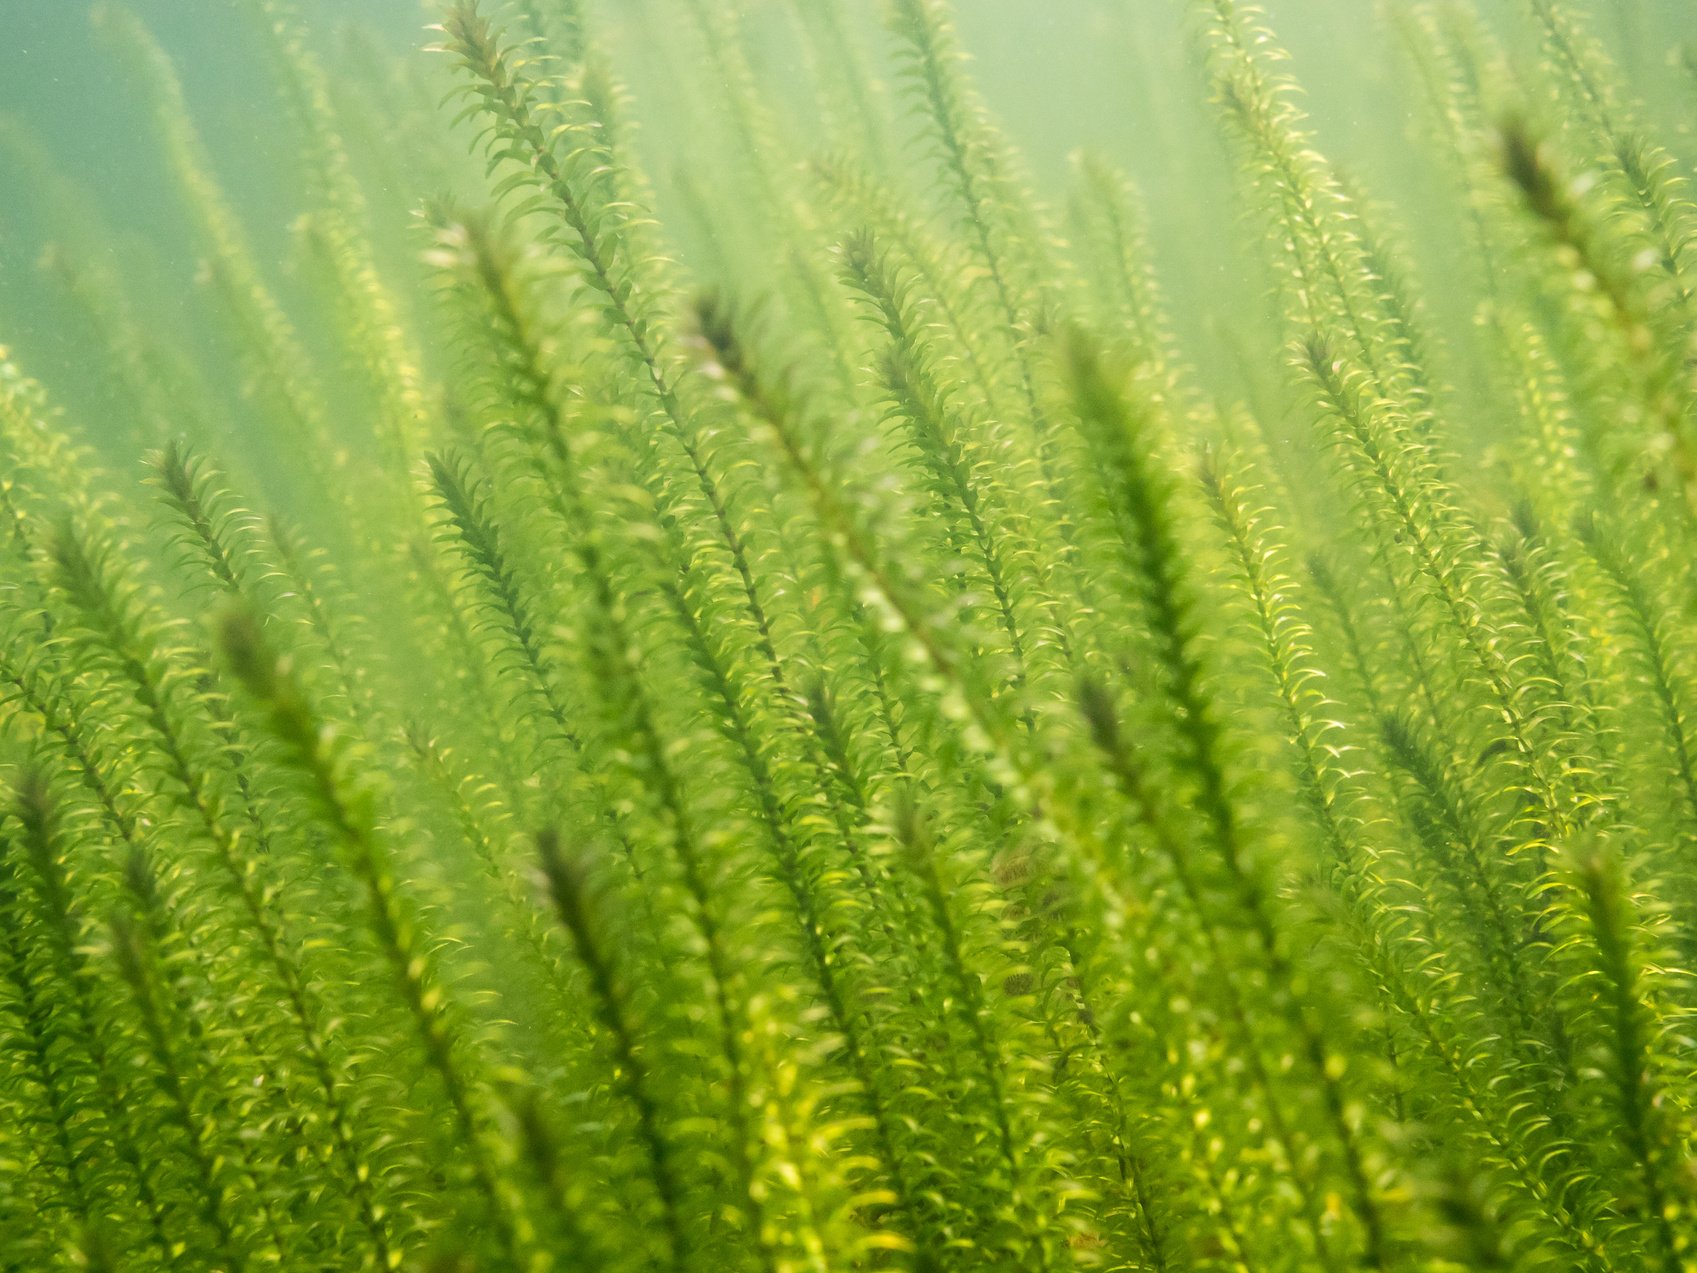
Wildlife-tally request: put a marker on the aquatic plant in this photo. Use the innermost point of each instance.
(820, 730)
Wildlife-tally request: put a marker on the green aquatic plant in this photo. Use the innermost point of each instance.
(788, 715)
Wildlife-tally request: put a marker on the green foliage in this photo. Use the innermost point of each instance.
(847, 746)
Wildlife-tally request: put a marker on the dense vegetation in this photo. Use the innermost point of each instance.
(843, 744)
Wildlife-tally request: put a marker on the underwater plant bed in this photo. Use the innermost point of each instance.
(675, 662)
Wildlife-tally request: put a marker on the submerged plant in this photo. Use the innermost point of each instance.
(817, 730)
